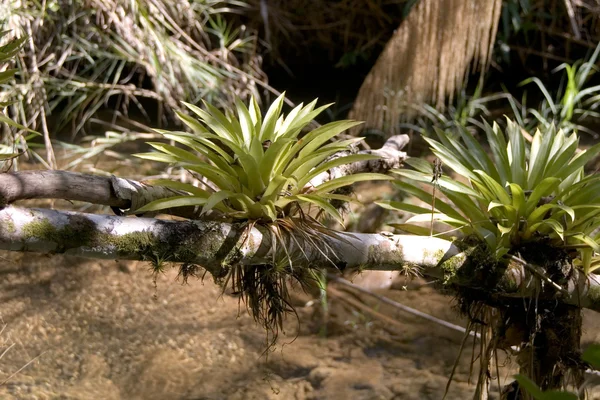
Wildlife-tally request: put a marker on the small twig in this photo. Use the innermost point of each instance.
(573, 19)
(20, 369)
(528, 50)
(6, 350)
(365, 308)
(540, 274)
(50, 157)
(400, 306)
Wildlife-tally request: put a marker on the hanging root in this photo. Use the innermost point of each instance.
(551, 354)
(544, 333)
(263, 288)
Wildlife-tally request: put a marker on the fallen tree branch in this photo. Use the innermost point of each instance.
(126, 196)
(218, 246)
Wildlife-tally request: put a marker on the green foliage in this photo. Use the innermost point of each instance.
(7, 54)
(530, 387)
(259, 168)
(574, 100)
(591, 355)
(465, 112)
(531, 33)
(519, 194)
(263, 169)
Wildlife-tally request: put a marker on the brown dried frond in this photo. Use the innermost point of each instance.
(428, 58)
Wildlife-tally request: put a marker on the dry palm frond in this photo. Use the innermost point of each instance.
(428, 58)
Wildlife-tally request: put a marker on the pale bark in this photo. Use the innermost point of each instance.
(390, 155)
(217, 246)
(58, 185)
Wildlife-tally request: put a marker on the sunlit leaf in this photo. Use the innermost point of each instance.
(349, 180)
(172, 202)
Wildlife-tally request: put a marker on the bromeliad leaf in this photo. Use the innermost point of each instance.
(321, 203)
(186, 187)
(438, 217)
(172, 202)
(349, 180)
(544, 189)
(335, 163)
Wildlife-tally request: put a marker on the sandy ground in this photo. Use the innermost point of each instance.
(100, 330)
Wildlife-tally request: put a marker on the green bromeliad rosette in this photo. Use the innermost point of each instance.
(259, 168)
(517, 204)
(520, 193)
(267, 172)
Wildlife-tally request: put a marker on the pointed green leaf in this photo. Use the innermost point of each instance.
(187, 187)
(323, 204)
(400, 206)
(516, 153)
(274, 189)
(302, 181)
(14, 124)
(349, 180)
(580, 160)
(215, 199)
(449, 159)
(420, 165)
(160, 157)
(552, 223)
(277, 150)
(494, 187)
(246, 123)
(427, 198)
(217, 123)
(587, 240)
(267, 131)
(423, 231)
(9, 156)
(563, 157)
(172, 202)
(223, 180)
(497, 144)
(438, 217)
(538, 214)
(545, 188)
(518, 198)
(538, 159)
(255, 114)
